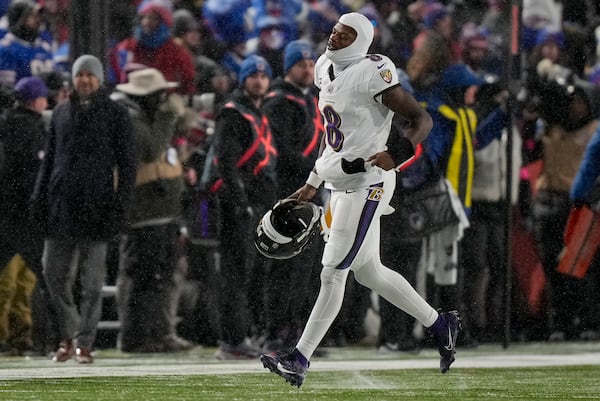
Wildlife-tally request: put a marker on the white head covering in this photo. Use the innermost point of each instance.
(360, 47)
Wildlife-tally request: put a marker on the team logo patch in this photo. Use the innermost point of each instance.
(375, 194)
(261, 67)
(386, 75)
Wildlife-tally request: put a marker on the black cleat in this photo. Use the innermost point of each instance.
(445, 339)
(285, 365)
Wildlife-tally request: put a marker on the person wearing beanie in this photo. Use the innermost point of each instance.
(433, 15)
(292, 108)
(30, 89)
(228, 22)
(359, 96)
(88, 64)
(184, 22)
(23, 134)
(254, 64)
(21, 48)
(296, 51)
(162, 8)
(273, 35)
(82, 192)
(17, 15)
(186, 33)
(152, 45)
(245, 183)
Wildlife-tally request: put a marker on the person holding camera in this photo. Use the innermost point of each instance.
(147, 280)
(570, 113)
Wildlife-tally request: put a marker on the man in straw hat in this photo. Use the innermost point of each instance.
(147, 274)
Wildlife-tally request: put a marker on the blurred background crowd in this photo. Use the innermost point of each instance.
(517, 142)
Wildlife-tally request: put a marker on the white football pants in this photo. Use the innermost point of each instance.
(354, 244)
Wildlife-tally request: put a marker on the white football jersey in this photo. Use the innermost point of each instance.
(357, 124)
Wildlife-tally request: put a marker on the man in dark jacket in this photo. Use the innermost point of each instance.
(82, 192)
(245, 156)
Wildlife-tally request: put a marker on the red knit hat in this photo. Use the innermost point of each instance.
(160, 7)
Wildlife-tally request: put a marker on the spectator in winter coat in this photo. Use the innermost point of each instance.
(146, 282)
(81, 194)
(22, 52)
(153, 46)
(22, 135)
(245, 156)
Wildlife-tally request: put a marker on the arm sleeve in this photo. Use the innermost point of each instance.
(125, 157)
(490, 128)
(230, 129)
(39, 196)
(438, 140)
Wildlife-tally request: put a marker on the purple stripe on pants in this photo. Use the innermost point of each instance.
(364, 222)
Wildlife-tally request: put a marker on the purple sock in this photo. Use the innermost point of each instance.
(300, 358)
(439, 324)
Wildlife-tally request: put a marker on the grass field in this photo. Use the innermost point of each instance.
(346, 375)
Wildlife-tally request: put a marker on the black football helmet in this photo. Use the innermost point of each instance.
(287, 228)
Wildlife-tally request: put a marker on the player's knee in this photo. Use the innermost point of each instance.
(330, 276)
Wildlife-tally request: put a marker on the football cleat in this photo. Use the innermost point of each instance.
(285, 365)
(445, 338)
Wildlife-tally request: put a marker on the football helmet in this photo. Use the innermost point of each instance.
(287, 228)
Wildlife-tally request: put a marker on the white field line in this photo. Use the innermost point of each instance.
(116, 367)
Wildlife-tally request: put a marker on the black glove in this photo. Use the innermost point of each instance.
(353, 167)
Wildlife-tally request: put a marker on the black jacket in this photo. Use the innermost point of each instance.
(22, 134)
(293, 115)
(88, 173)
(234, 137)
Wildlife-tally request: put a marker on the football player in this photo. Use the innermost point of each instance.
(359, 95)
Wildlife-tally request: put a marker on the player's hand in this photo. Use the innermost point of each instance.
(305, 193)
(382, 160)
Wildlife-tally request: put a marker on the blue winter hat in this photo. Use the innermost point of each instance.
(296, 51)
(30, 88)
(433, 13)
(252, 64)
